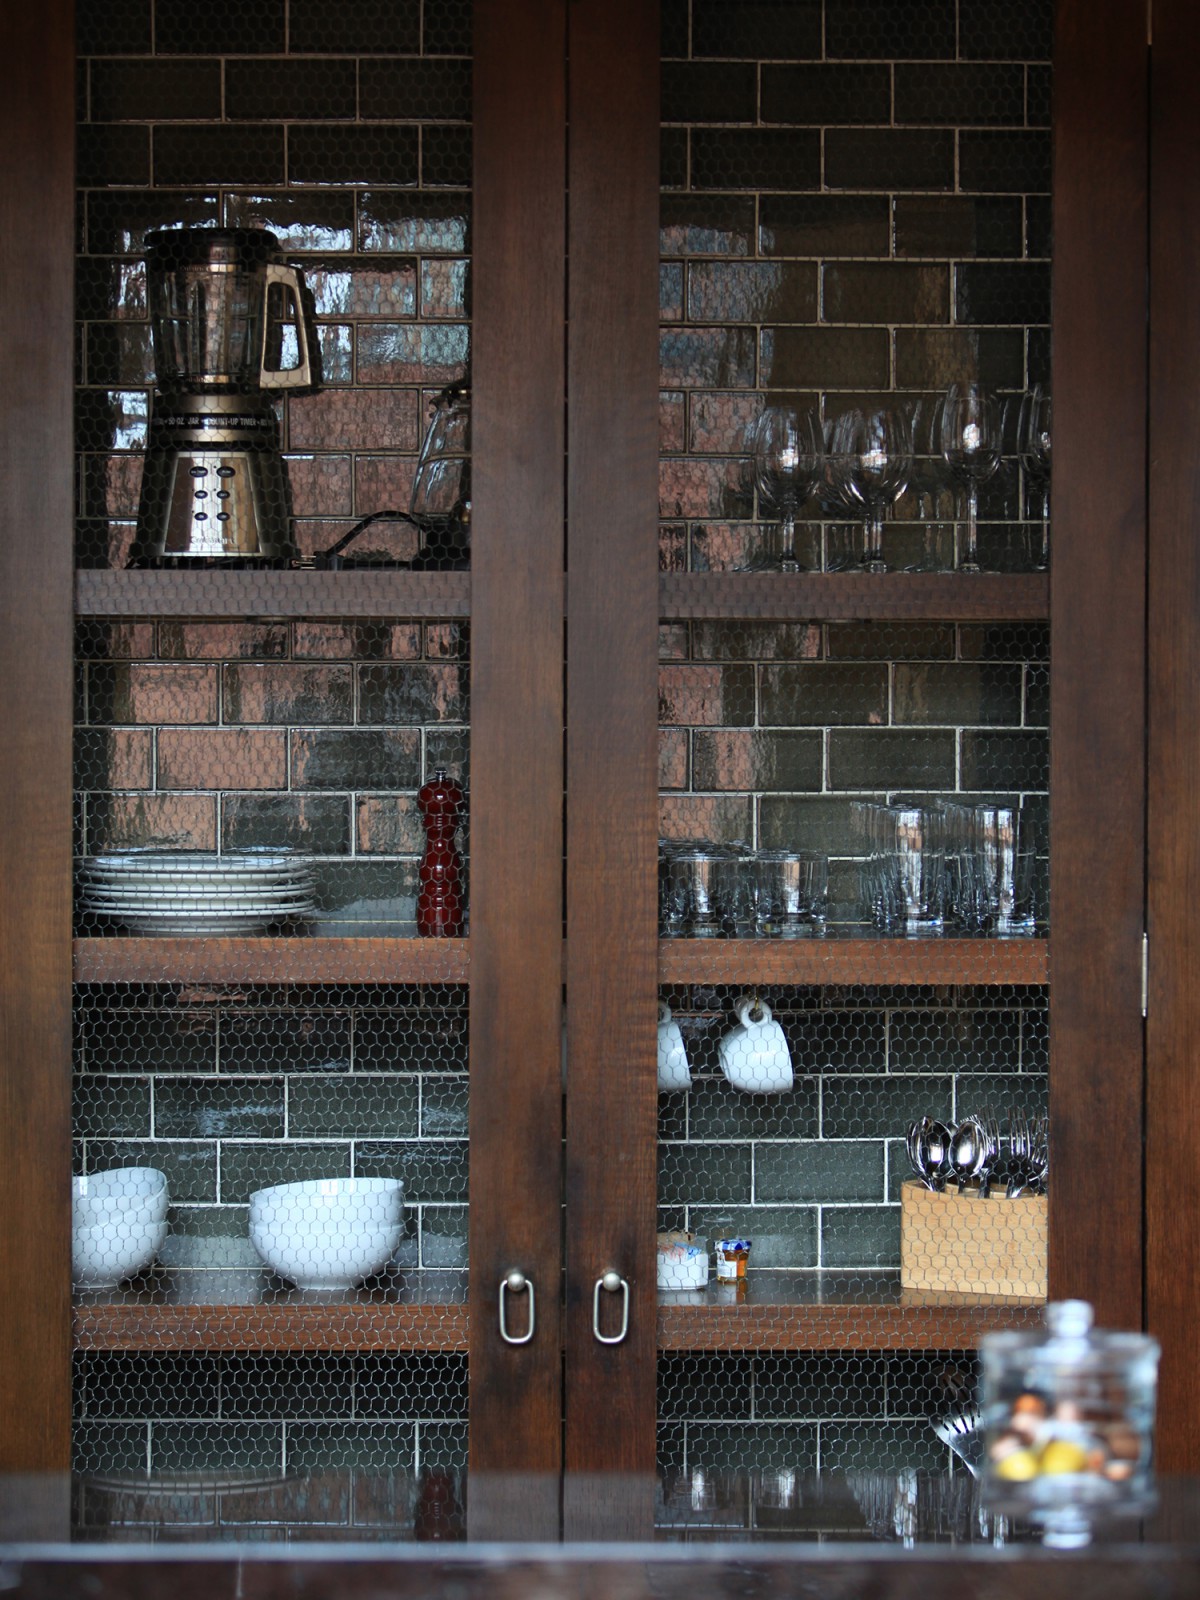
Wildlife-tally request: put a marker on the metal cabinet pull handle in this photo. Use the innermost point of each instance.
(611, 1282)
(515, 1282)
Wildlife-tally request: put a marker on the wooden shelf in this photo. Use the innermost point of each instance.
(834, 960)
(832, 1311)
(315, 960)
(238, 1309)
(853, 596)
(238, 592)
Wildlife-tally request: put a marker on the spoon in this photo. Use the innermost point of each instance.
(934, 1152)
(968, 1152)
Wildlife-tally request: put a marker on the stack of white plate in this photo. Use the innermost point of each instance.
(168, 892)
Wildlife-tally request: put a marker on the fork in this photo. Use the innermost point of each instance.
(960, 1430)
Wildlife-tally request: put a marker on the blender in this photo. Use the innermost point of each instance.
(223, 305)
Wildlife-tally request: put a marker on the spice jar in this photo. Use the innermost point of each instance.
(732, 1255)
(1068, 1414)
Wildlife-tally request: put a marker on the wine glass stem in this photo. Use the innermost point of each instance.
(1045, 561)
(970, 560)
(787, 556)
(875, 538)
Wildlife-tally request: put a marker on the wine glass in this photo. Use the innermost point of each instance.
(788, 454)
(871, 456)
(970, 444)
(1034, 445)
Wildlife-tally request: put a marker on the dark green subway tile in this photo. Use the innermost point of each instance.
(355, 27)
(351, 1108)
(1039, 355)
(885, 292)
(110, 1108)
(117, 223)
(112, 154)
(761, 291)
(958, 94)
(756, 158)
(755, 641)
(818, 95)
(921, 1383)
(1005, 760)
(699, 1384)
(1038, 90)
(824, 358)
(292, 1386)
(756, 29)
(366, 153)
(291, 91)
(1038, 226)
(1022, 33)
(191, 1169)
(120, 1383)
(412, 693)
(885, 30)
(444, 1236)
(220, 27)
(408, 223)
(283, 1041)
(230, 153)
(890, 641)
(736, 760)
(880, 1107)
(889, 158)
(998, 641)
(1003, 162)
(315, 824)
(113, 27)
(1003, 1093)
(722, 1447)
(119, 353)
(784, 1237)
(366, 1446)
(418, 91)
(706, 225)
(705, 696)
(697, 1174)
(716, 1110)
(435, 1170)
(287, 693)
(929, 1040)
(419, 1384)
(161, 1041)
(821, 693)
(155, 91)
(1037, 697)
(300, 221)
(831, 1040)
(675, 28)
(673, 158)
(706, 358)
(819, 1170)
(444, 1108)
(801, 823)
(1016, 293)
(860, 1236)
(881, 1447)
(800, 1384)
(446, 157)
(404, 1042)
(1035, 1041)
(890, 758)
(956, 693)
(111, 1447)
(356, 758)
(246, 1168)
(958, 225)
(705, 91)
(823, 225)
(933, 358)
(196, 1447)
(207, 1108)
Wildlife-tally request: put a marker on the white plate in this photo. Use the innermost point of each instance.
(165, 926)
(195, 861)
(192, 897)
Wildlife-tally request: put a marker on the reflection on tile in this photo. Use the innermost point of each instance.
(299, 221)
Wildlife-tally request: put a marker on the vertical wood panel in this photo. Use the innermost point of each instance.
(1097, 601)
(517, 736)
(36, 531)
(1173, 1022)
(612, 804)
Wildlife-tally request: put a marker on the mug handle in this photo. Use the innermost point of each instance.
(746, 1005)
(664, 1012)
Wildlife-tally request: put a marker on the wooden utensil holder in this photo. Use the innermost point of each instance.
(962, 1244)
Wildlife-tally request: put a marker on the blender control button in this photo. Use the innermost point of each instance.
(202, 516)
(222, 494)
(222, 516)
(201, 494)
(199, 472)
(224, 472)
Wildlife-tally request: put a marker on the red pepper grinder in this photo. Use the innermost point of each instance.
(440, 905)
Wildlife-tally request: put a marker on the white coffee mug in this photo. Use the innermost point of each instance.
(673, 1070)
(755, 1055)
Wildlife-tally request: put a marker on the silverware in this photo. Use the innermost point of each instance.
(1029, 1155)
(968, 1151)
(960, 1430)
(928, 1145)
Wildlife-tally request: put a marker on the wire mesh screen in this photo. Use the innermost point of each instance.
(855, 270)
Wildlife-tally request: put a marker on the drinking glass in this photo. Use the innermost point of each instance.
(971, 450)
(871, 458)
(1034, 446)
(788, 456)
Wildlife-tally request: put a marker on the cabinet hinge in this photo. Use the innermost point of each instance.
(1145, 973)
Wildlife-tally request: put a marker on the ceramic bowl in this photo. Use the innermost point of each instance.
(132, 1193)
(328, 1233)
(120, 1247)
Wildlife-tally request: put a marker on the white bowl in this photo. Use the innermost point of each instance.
(328, 1233)
(105, 1253)
(134, 1193)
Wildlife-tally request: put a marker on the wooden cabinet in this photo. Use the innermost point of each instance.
(565, 267)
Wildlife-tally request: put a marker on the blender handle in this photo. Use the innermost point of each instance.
(299, 376)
